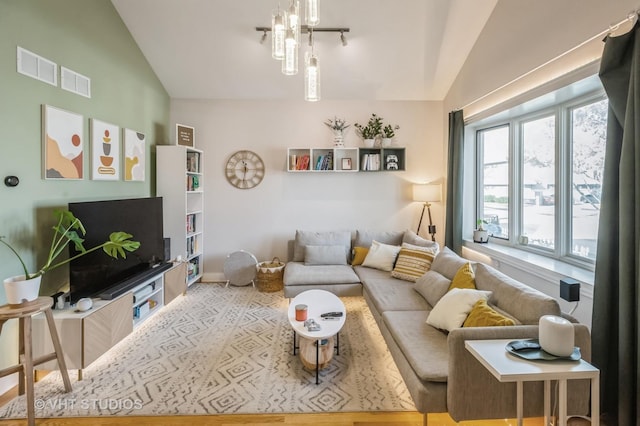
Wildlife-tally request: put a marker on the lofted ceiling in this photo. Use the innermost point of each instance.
(397, 49)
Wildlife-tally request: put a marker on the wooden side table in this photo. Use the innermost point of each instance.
(23, 313)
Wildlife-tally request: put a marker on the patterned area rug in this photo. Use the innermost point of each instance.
(227, 350)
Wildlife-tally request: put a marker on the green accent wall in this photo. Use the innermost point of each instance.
(86, 36)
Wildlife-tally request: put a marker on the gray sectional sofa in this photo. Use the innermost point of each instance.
(441, 375)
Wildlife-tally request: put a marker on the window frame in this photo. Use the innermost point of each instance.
(563, 232)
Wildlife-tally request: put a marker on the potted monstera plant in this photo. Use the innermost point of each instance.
(67, 230)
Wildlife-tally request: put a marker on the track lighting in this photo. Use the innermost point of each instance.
(343, 39)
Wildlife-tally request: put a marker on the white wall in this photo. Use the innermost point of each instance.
(262, 219)
(519, 37)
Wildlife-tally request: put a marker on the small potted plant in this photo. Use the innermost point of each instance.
(68, 229)
(370, 131)
(337, 126)
(481, 235)
(388, 133)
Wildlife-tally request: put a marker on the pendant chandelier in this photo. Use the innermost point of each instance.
(286, 29)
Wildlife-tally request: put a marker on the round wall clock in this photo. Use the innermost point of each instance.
(245, 169)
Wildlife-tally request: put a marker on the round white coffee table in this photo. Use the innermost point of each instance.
(318, 302)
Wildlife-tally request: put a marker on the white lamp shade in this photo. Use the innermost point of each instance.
(427, 193)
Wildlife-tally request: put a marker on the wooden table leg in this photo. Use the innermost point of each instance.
(28, 371)
(62, 365)
(21, 355)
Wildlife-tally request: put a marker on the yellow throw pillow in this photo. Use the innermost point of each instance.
(482, 315)
(464, 278)
(359, 253)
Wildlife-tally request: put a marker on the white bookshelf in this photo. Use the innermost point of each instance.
(180, 183)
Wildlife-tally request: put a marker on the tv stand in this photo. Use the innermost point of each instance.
(85, 336)
(134, 281)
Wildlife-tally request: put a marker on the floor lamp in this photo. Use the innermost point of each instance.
(427, 194)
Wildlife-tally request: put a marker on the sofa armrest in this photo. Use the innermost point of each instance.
(473, 392)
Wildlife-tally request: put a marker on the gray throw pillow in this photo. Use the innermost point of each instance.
(447, 263)
(327, 238)
(432, 286)
(325, 255)
(411, 237)
(365, 238)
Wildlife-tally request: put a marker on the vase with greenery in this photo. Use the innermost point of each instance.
(67, 230)
(337, 126)
(388, 133)
(371, 130)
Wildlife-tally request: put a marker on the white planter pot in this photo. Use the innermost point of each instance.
(480, 236)
(18, 290)
(385, 142)
(368, 143)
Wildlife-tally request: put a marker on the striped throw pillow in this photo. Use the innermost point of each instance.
(413, 261)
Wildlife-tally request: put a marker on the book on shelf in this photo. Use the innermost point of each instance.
(193, 162)
(191, 223)
(371, 162)
(302, 162)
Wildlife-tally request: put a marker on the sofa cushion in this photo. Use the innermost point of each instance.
(413, 261)
(325, 255)
(451, 311)
(483, 315)
(515, 298)
(464, 278)
(432, 286)
(329, 238)
(297, 273)
(411, 237)
(424, 347)
(390, 294)
(381, 256)
(365, 238)
(359, 254)
(448, 263)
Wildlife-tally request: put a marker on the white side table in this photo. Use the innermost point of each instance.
(318, 302)
(509, 368)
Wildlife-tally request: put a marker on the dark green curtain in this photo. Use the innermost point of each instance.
(616, 296)
(453, 230)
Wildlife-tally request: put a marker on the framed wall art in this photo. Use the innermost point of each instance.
(63, 147)
(185, 135)
(105, 151)
(134, 156)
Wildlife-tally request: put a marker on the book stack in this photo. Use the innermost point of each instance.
(325, 162)
(192, 246)
(370, 162)
(191, 223)
(299, 162)
(193, 162)
(193, 183)
(193, 267)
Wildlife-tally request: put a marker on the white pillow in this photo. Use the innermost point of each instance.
(454, 307)
(381, 256)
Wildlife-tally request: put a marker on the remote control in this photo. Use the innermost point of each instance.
(331, 314)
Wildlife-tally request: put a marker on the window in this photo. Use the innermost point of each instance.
(539, 173)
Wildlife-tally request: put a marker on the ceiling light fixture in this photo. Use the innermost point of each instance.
(311, 74)
(286, 30)
(278, 33)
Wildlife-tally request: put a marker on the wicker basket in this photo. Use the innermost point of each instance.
(269, 276)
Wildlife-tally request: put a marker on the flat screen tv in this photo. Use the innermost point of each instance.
(92, 274)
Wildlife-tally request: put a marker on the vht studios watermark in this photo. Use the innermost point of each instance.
(88, 404)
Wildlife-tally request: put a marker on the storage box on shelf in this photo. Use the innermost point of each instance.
(345, 159)
(183, 204)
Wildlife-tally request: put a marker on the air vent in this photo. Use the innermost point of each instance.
(37, 67)
(75, 82)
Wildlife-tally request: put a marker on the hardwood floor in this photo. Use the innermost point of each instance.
(323, 419)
